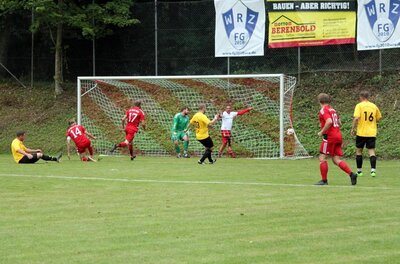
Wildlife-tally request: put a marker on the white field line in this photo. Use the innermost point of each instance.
(191, 182)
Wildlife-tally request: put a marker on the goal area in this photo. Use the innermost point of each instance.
(265, 132)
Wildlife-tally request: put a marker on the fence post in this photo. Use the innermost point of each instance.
(155, 38)
(380, 62)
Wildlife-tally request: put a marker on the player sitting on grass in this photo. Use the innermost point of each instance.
(332, 141)
(202, 123)
(78, 134)
(24, 155)
(133, 118)
(226, 127)
(181, 121)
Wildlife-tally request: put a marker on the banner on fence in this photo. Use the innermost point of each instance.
(378, 26)
(239, 28)
(311, 23)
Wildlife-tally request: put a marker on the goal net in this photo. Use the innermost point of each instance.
(265, 132)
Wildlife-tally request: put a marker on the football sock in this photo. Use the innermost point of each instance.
(344, 167)
(90, 150)
(359, 161)
(49, 158)
(177, 149)
(185, 145)
(323, 167)
(130, 147)
(372, 160)
(122, 145)
(209, 156)
(205, 155)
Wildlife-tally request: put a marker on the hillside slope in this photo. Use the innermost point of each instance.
(45, 118)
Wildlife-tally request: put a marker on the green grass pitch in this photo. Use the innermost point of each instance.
(168, 210)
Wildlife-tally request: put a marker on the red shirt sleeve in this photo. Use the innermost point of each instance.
(244, 111)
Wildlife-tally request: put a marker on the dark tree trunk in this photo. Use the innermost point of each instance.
(58, 72)
(5, 33)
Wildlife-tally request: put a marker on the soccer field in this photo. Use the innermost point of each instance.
(168, 210)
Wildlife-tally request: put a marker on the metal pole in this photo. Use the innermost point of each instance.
(93, 48)
(32, 47)
(298, 65)
(7, 70)
(155, 38)
(228, 66)
(380, 62)
(281, 112)
(78, 102)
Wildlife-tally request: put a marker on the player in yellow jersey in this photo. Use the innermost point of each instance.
(366, 115)
(201, 123)
(23, 155)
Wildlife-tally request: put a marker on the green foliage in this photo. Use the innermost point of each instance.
(93, 19)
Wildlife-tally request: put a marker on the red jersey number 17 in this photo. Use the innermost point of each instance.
(132, 117)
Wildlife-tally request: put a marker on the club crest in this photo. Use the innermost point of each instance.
(240, 22)
(383, 17)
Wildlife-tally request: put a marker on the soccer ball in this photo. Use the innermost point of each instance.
(290, 131)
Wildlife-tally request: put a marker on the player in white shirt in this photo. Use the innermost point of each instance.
(227, 122)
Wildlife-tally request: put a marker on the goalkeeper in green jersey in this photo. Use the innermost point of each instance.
(181, 121)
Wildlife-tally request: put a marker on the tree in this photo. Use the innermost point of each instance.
(93, 20)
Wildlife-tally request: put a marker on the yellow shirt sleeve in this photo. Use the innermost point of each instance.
(378, 114)
(357, 111)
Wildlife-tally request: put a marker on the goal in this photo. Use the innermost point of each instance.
(265, 132)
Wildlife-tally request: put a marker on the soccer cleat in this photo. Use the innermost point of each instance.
(114, 148)
(178, 155)
(359, 174)
(59, 157)
(213, 161)
(200, 162)
(373, 174)
(321, 182)
(185, 155)
(353, 178)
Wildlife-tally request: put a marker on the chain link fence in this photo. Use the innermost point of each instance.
(180, 43)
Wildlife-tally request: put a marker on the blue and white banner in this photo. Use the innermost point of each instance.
(378, 24)
(239, 28)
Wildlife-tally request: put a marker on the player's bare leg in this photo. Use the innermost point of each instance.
(221, 149)
(230, 150)
(372, 160)
(323, 168)
(344, 167)
(359, 161)
(186, 146)
(123, 144)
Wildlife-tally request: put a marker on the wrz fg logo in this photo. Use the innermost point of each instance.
(383, 17)
(240, 22)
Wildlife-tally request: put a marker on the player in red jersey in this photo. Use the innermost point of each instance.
(78, 134)
(331, 144)
(133, 118)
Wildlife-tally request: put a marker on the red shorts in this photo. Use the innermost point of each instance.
(82, 147)
(130, 134)
(331, 148)
(226, 136)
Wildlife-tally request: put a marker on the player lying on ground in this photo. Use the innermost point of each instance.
(24, 155)
(131, 121)
(78, 134)
(366, 115)
(226, 127)
(180, 123)
(201, 124)
(332, 141)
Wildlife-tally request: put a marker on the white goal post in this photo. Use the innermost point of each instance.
(265, 132)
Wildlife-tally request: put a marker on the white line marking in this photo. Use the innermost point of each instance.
(193, 182)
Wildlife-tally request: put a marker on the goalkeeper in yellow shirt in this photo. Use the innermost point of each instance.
(201, 123)
(366, 115)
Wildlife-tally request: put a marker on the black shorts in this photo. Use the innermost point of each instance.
(26, 160)
(368, 142)
(207, 142)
